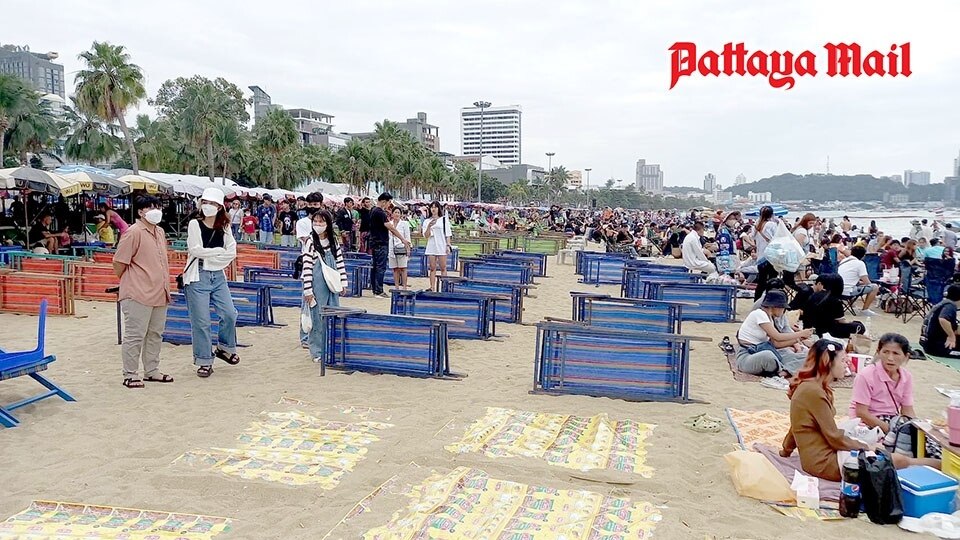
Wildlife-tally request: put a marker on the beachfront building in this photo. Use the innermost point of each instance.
(574, 180)
(261, 103)
(760, 197)
(424, 133)
(709, 183)
(920, 178)
(649, 177)
(311, 125)
(956, 166)
(502, 134)
(38, 69)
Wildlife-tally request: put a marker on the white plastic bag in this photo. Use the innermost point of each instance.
(306, 321)
(783, 251)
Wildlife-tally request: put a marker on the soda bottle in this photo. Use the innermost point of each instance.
(850, 486)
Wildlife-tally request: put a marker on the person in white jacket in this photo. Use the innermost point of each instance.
(211, 247)
(693, 256)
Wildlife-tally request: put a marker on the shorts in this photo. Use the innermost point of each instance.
(398, 261)
(861, 290)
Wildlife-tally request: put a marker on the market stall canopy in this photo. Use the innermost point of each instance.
(44, 182)
(137, 181)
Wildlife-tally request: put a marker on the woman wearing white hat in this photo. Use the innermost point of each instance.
(210, 242)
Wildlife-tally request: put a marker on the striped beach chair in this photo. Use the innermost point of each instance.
(627, 313)
(634, 279)
(584, 257)
(253, 302)
(505, 271)
(471, 314)
(713, 303)
(511, 312)
(177, 329)
(22, 292)
(377, 343)
(539, 258)
(574, 358)
(287, 290)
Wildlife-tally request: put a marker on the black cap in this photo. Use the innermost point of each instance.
(385, 196)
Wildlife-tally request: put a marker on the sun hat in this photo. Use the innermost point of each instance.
(775, 299)
(212, 194)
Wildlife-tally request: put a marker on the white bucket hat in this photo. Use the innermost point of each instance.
(212, 194)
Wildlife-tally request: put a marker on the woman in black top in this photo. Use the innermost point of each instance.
(824, 312)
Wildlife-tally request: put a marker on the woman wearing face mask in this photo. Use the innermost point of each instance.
(210, 248)
(320, 248)
(397, 255)
(436, 229)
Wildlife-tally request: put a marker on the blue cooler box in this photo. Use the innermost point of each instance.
(926, 490)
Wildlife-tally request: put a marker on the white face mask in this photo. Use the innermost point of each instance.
(209, 210)
(320, 229)
(153, 216)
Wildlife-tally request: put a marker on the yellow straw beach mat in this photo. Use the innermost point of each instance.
(293, 448)
(573, 442)
(466, 503)
(52, 519)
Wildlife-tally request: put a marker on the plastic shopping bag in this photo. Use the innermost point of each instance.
(783, 251)
(754, 476)
(306, 321)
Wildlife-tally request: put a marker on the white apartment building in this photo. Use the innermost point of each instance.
(501, 133)
(709, 183)
(649, 177)
(574, 180)
(920, 178)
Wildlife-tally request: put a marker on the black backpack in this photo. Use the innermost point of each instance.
(880, 489)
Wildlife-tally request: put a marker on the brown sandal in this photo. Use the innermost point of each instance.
(230, 358)
(162, 378)
(204, 371)
(133, 383)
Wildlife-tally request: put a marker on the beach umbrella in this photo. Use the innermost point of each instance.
(137, 181)
(90, 181)
(7, 181)
(44, 181)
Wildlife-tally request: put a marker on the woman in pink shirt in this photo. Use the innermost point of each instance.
(114, 219)
(884, 389)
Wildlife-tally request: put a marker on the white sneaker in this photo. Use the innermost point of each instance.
(868, 312)
(317, 360)
(778, 383)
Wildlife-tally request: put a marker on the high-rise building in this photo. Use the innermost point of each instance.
(649, 177)
(956, 166)
(426, 134)
(574, 180)
(35, 68)
(261, 103)
(311, 125)
(920, 178)
(501, 133)
(741, 179)
(709, 183)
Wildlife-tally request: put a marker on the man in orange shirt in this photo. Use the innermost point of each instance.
(141, 264)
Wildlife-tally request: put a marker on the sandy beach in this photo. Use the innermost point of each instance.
(116, 446)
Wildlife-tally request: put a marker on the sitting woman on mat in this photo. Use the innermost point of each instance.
(210, 248)
(938, 335)
(765, 350)
(883, 397)
(813, 428)
(823, 310)
(320, 287)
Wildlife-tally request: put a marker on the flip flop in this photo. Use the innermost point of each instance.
(164, 378)
(703, 423)
(726, 346)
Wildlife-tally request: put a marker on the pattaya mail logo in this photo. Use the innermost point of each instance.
(782, 68)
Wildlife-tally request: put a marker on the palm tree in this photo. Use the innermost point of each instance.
(205, 109)
(109, 86)
(90, 140)
(517, 191)
(558, 181)
(15, 98)
(274, 134)
(35, 130)
(229, 142)
(155, 142)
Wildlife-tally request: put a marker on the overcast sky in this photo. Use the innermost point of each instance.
(592, 76)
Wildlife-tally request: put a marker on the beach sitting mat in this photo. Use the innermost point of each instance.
(846, 382)
(574, 442)
(467, 503)
(764, 426)
(52, 519)
(293, 448)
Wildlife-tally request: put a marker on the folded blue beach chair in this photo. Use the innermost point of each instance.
(511, 312)
(19, 363)
(471, 314)
(627, 313)
(712, 303)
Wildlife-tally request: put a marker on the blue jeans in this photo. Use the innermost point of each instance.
(235, 227)
(212, 288)
(317, 338)
(379, 267)
(266, 237)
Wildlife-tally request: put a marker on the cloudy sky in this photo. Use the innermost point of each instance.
(592, 76)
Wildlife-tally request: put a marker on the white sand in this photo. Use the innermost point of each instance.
(115, 446)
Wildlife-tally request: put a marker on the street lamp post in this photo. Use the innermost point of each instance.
(549, 169)
(588, 177)
(480, 105)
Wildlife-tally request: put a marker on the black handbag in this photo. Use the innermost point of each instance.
(180, 275)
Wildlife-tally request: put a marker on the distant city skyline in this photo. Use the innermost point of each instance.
(611, 105)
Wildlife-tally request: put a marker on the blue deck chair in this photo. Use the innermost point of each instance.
(574, 358)
(709, 302)
(634, 280)
(539, 258)
(829, 263)
(17, 364)
(287, 290)
(584, 257)
(470, 314)
(872, 262)
(376, 343)
(511, 312)
(627, 313)
(938, 274)
(520, 272)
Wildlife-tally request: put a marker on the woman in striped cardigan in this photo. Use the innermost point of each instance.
(320, 248)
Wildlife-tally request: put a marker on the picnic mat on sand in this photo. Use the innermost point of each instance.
(52, 519)
(467, 503)
(574, 442)
(293, 448)
(846, 382)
